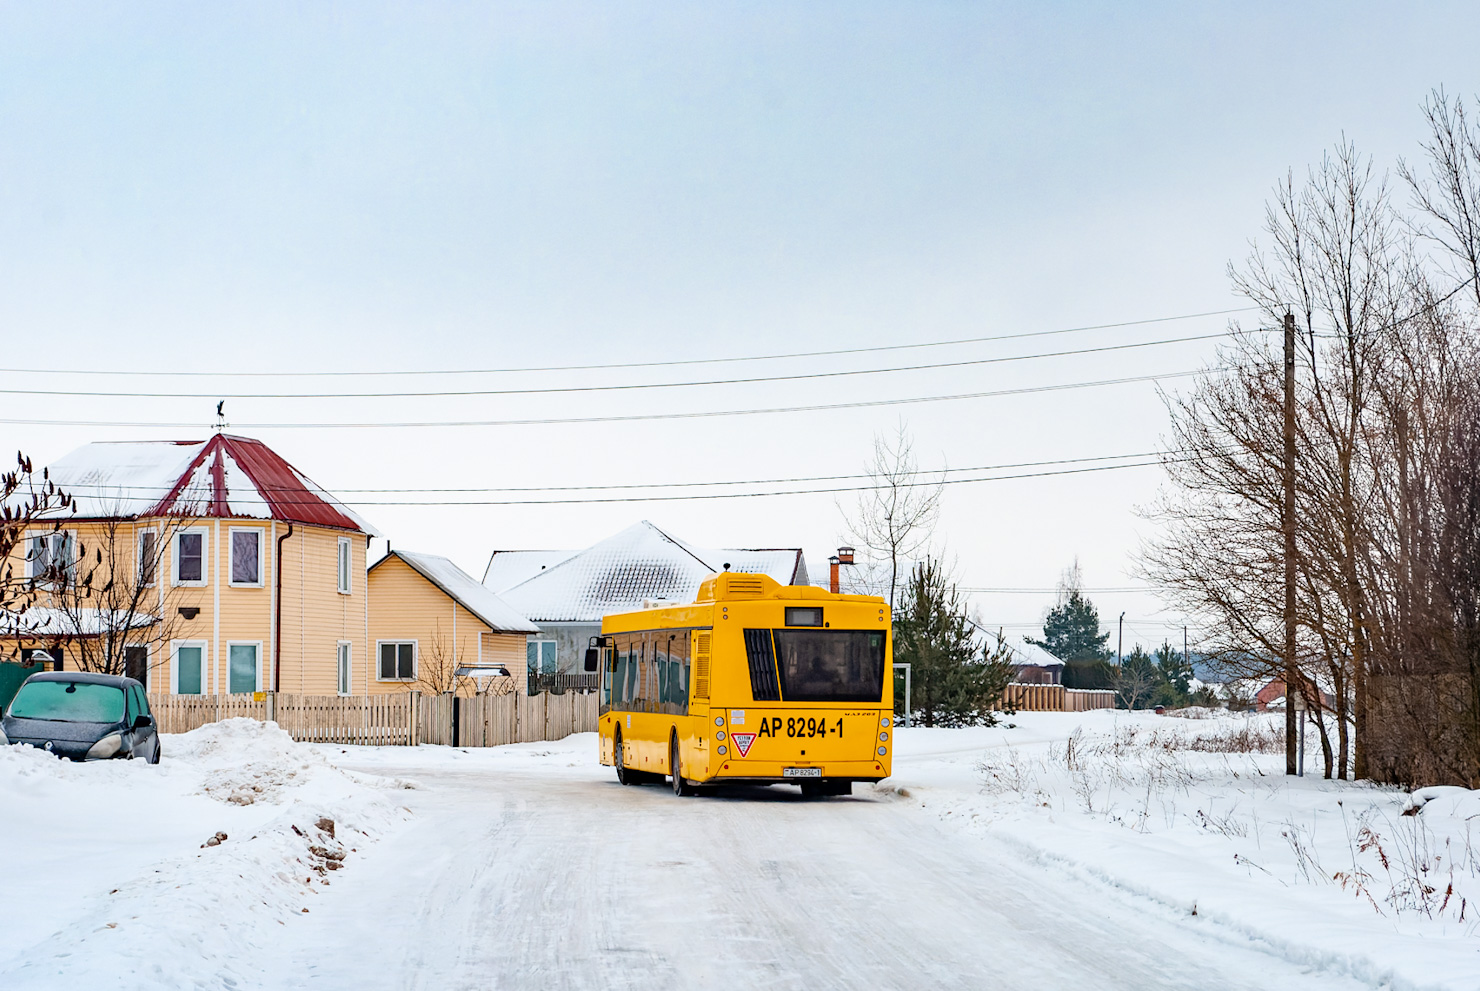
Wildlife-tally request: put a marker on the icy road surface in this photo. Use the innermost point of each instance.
(530, 867)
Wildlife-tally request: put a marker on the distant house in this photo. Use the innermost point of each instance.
(1036, 666)
(221, 568)
(566, 593)
(435, 627)
(1272, 696)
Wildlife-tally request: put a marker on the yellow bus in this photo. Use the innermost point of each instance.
(754, 682)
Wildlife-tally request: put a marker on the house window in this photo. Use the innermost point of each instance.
(187, 672)
(242, 667)
(397, 660)
(148, 557)
(344, 558)
(190, 557)
(344, 679)
(136, 664)
(541, 656)
(246, 557)
(35, 656)
(51, 557)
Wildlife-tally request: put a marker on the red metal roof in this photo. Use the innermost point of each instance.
(287, 493)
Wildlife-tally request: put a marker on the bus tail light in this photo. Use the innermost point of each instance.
(883, 751)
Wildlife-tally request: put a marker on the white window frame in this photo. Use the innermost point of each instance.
(343, 565)
(205, 662)
(415, 662)
(344, 667)
(139, 556)
(257, 686)
(205, 557)
(231, 556)
(69, 536)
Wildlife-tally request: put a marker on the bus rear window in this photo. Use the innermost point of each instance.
(830, 665)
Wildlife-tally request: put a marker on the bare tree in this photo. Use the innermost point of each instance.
(1388, 433)
(1448, 199)
(26, 504)
(114, 604)
(437, 665)
(896, 515)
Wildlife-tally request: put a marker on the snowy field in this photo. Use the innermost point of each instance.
(1093, 850)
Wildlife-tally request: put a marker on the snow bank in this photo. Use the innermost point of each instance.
(177, 875)
(1197, 816)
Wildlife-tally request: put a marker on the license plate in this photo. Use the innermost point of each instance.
(801, 772)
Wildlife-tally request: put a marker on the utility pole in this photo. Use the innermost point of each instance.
(1291, 675)
(1120, 642)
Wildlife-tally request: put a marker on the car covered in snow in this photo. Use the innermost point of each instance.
(82, 716)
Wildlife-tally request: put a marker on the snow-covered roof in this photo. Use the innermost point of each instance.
(225, 476)
(41, 622)
(1025, 654)
(465, 591)
(508, 568)
(640, 563)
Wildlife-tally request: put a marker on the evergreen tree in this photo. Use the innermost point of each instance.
(955, 681)
(1071, 632)
(1137, 680)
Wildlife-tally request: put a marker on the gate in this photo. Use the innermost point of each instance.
(11, 678)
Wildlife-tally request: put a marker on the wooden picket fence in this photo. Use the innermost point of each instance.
(408, 718)
(1056, 698)
(492, 720)
(370, 720)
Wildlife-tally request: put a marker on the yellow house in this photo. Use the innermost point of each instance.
(215, 566)
(433, 627)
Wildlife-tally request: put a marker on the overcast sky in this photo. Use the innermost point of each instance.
(365, 187)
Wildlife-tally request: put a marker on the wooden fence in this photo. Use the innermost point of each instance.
(491, 720)
(1056, 698)
(408, 718)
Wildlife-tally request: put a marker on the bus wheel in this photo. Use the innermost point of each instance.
(675, 766)
(625, 776)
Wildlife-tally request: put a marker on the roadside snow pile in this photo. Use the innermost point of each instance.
(1198, 816)
(181, 874)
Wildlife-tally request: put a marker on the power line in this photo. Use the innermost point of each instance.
(625, 365)
(1053, 591)
(943, 472)
(625, 418)
(707, 496)
(611, 387)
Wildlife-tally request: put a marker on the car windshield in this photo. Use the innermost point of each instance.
(68, 701)
(830, 665)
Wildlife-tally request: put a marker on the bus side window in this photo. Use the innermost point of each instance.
(660, 670)
(634, 663)
(620, 694)
(678, 673)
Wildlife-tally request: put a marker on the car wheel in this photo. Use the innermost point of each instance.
(675, 766)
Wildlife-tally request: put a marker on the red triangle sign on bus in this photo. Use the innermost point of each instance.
(743, 742)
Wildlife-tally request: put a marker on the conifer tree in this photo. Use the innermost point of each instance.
(956, 680)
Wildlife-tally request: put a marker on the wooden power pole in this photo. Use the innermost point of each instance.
(1291, 674)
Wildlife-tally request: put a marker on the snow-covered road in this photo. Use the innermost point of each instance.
(529, 867)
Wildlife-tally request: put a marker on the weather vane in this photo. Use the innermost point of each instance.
(220, 416)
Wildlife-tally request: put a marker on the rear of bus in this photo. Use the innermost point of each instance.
(801, 689)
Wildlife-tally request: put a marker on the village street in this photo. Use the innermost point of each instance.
(531, 867)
